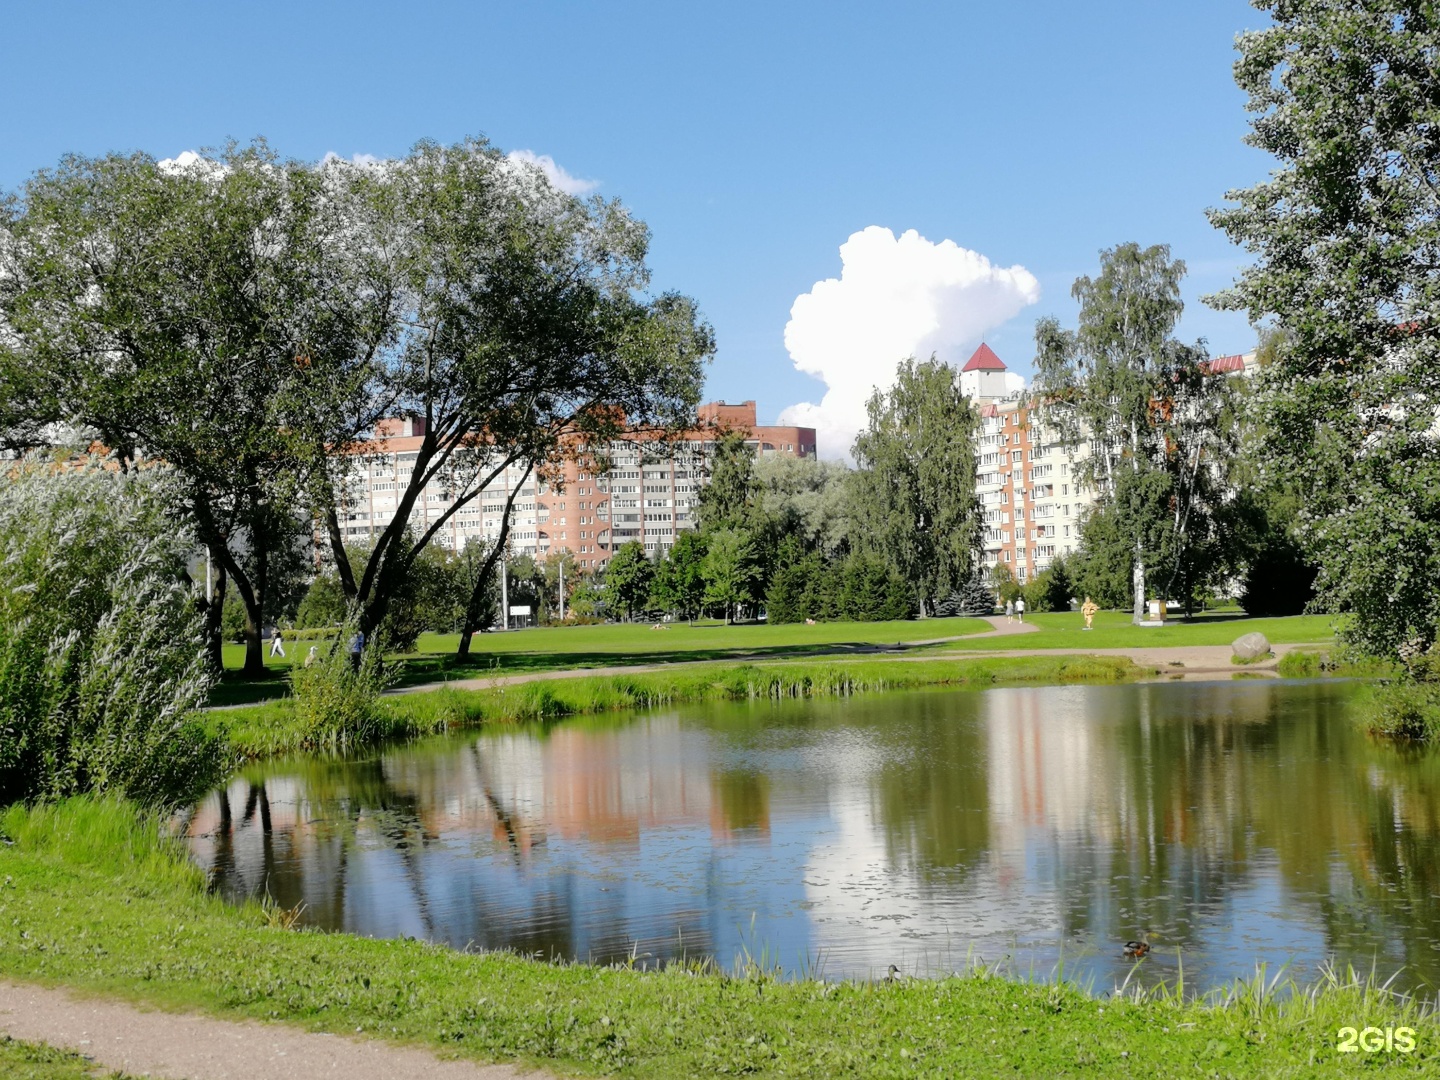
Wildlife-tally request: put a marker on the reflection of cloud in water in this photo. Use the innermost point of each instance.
(1241, 821)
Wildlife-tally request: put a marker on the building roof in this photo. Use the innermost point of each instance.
(1227, 364)
(984, 359)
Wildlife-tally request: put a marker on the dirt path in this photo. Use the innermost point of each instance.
(181, 1046)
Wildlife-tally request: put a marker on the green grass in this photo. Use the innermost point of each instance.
(92, 897)
(615, 645)
(607, 645)
(32, 1061)
(1114, 630)
(271, 728)
(1316, 663)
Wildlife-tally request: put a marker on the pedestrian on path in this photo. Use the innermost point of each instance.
(357, 646)
(1009, 610)
(277, 644)
(1020, 609)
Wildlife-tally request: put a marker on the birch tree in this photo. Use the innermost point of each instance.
(1149, 409)
(1345, 236)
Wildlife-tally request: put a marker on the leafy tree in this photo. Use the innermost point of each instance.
(914, 500)
(515, 311)
(802, 498)
(628, 576)
(1150, 410)
(1345, 236)
(323, 604)
(679, 585)
(729, 569)
(1051, 590)
(184, 313)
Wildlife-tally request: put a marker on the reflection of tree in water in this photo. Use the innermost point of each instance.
(1207, 790)
(931, 789)
(743, 799)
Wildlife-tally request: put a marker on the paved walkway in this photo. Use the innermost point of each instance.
(181, 1046)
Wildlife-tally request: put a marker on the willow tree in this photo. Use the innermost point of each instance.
(1152, 415)
(913, 500)
(1346, 242)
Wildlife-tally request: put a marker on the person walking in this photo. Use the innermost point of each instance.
(277, 644)
(1009, 610)
(357, 647)
(1020, 609)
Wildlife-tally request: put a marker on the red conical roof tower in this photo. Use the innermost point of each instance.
(984, 359)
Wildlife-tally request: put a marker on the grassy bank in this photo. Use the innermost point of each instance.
(271, 728)
(616, 645)
(92, 897)
(550, 648)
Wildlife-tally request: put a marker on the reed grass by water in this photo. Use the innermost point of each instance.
(274, 728)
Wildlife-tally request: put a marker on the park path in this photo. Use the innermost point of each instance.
(185, 1046)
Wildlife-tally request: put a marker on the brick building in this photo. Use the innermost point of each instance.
(642, 496)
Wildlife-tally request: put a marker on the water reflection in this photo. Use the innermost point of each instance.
(1235, 822)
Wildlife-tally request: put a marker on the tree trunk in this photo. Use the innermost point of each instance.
(214, 621)
(1139, 582)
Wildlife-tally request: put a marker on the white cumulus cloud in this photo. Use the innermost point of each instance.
(558, 177)
(896, 297)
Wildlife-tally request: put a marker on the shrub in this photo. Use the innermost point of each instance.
(336, 704)
(102, 662)
(1403, 710)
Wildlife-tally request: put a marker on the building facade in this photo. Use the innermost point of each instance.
(1029, 483)
(647, 494)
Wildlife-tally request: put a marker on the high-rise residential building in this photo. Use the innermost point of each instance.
(648, 492)
(1028, 482)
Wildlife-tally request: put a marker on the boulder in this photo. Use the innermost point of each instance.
(1251, 646)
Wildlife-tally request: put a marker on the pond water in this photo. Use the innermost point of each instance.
(1236, 822)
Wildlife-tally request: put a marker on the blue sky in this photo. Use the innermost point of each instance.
(753, 138)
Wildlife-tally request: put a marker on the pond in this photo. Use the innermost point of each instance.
(1033, 828)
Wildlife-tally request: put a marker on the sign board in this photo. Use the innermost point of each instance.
(519, 609)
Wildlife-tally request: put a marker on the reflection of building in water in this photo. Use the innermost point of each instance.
(1043, 768)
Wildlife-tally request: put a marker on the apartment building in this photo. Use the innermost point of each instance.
(1028, 482)
(648, 493)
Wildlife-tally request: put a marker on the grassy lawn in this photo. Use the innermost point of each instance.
(550, 648)
(1114, 630)
(578, 647)
(91, 897)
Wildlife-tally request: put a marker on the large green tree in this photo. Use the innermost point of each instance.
(628, 577)
(730, 569)
(518, 331)
(1158, 425)
(679, 585)
(913, 496)
(200, 312)
(1345, 236)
